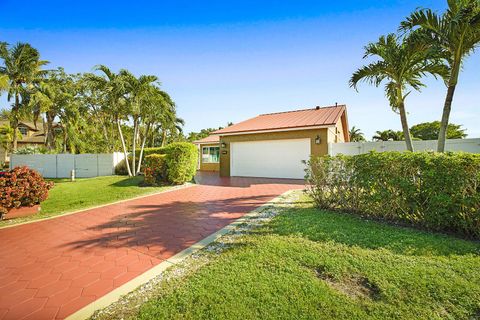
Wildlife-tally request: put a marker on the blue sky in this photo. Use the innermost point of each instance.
(227, 61)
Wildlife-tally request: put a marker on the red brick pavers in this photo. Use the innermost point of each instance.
(50, 269)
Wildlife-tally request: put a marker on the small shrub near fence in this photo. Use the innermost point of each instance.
(22, 187)
(431, 190)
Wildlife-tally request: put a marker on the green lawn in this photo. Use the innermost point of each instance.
(311, 264)
(68, 196)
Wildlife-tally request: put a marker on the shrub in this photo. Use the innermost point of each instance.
(180, 162)
(154, 168)
(22, 187)
(437, 191)
(121, 167)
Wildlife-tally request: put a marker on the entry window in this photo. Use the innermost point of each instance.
(210, 154)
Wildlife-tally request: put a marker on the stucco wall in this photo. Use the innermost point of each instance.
(316, 149)
(208, 166)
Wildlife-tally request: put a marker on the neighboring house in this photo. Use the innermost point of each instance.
(274, 145)
(31, 136)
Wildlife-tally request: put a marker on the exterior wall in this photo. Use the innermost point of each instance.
(353, 148)
(208, 166)
(60, 165)
(316, 149)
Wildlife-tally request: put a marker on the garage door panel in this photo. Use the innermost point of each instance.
(270, 159)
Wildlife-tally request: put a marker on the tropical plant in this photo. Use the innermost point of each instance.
(430, 131)
(454, 34)
(356, 135)
(402, 62)
(21, 69)
(113, 85)
(388, 135)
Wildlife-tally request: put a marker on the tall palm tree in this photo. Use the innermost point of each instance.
(20, 70)
(456, 34)
(356, 135)
(114, 86)
(138, 97)
(402, 63)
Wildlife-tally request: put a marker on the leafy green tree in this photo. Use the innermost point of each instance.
(455, 34)
(21, 69)
(402, 63)
(430, 131)
(55, 97)
(356, 135)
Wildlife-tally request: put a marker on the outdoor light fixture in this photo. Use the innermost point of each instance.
(223, 144)
(318, 140)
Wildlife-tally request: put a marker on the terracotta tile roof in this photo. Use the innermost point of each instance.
(209, 139)
(323, 116)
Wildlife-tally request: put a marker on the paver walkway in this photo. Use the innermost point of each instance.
(50, 269)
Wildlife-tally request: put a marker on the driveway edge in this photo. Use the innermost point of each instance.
(117, 293)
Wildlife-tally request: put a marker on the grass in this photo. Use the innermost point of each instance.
(67, 196)
(311, 264)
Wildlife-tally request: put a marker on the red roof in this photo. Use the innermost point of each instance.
(315, 117)
(209, 139)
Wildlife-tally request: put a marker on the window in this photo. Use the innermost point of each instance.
(23, 130)
(210, 154)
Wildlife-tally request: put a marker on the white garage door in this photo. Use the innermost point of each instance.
(269, 159)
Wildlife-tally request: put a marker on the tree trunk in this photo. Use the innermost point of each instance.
(14, 123)
(164, 137)
(124, 147)
(65, 138)
(141, 148)
(447, 107)
(50, 134)
(406, 130)
(134, 143)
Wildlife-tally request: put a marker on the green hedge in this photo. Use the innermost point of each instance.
(181, 162)
(155, 169)
(430, 190)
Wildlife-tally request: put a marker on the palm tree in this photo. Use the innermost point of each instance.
(138, 97)
(356, 135)
(114, 87)
(20, 70)
(388, 135)
(456, 34)
(382, 135)
(402, 63)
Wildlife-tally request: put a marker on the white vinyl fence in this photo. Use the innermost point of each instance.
(61, 165)
(353, 148)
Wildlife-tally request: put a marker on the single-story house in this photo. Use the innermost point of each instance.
(274, 145)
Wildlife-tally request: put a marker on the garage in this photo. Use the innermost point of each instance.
(270, 158)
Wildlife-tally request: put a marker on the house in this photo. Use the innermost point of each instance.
(31, 135)
(274, 145)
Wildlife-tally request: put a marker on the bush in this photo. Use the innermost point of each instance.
(121, 167)
(154, 168)
(22, 187)
(437, 191)
(180, 162)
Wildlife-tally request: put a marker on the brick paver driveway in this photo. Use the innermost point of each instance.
(50, 269)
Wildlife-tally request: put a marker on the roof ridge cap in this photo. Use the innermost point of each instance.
(299, 110)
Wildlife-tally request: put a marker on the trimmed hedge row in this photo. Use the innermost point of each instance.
(437, 191)
(175, 163)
